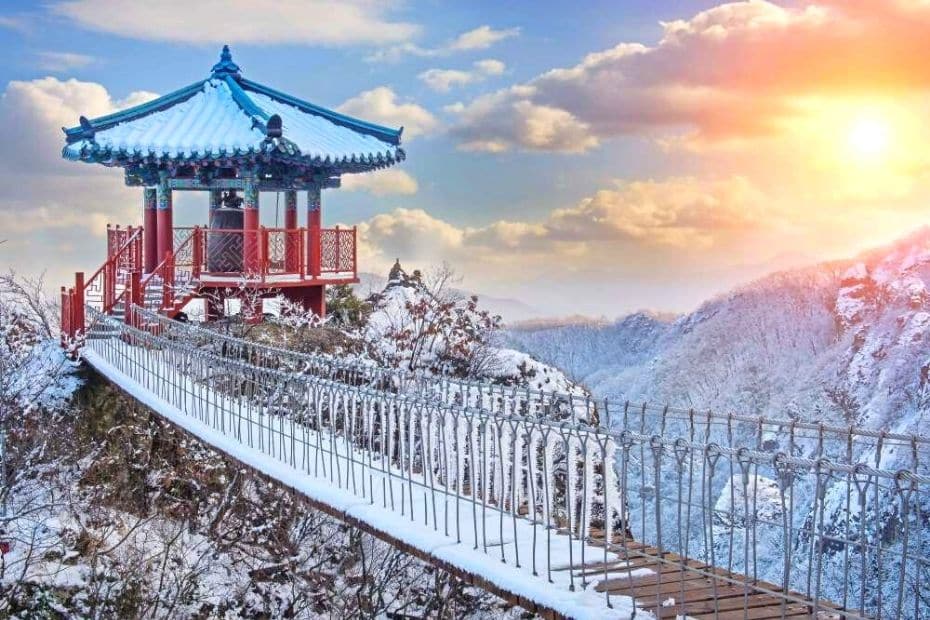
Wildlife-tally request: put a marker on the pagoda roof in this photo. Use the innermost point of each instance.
(227, 118)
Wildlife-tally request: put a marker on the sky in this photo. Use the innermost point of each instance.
(586, 158)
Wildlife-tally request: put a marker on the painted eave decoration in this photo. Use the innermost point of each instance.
(229, 119)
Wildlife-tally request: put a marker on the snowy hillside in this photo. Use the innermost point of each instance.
(420, 323)
(845, 342)
(109, 511)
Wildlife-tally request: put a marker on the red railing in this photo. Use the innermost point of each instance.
(124, 256)
(299, 252)
(176, 285)
(337, 250)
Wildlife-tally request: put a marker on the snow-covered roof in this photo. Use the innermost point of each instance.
(226, 117)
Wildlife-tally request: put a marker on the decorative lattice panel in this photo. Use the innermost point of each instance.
(125, 244)
(276, 251)
(183, 251)
(337, 250)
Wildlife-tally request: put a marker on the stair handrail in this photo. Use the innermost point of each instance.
(112, 261)
(166, 269)
(74, 299)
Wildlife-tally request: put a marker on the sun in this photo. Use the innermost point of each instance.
(869, 138)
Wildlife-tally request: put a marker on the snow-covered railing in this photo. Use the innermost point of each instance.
(749, 524)
(848, 444)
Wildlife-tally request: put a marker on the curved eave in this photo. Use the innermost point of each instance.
(102, 123)
(270, 151)
(385, 134)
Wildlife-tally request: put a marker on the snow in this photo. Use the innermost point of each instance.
(317, 136)
(857, 272)
(842, 343)
(211, 122)
(46, 378)
(430, 540)
(761, 493)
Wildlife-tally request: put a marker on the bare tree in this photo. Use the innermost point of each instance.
(440, 329)
(31, 365)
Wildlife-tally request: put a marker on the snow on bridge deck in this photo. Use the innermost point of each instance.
(308, 464)
(444, 482)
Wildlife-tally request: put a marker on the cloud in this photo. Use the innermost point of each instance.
(63, 61)
(479, 38)
(387, 182)
(648, 216)
(13, 23)
(300, 22)
(739, 70)
(664, 243)
(443, 80)
(381, 105)
(501, 121)
(678, 211)
(411, 234)
(49, 207)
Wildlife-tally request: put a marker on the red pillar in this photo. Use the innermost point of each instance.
(310, 297)
(291, 236)
(314, 223)
(164, 219)
(251, 259)
(150, 229)
(77, 322)
(315, 300)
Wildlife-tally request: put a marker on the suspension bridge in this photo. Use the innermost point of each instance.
(565, 505)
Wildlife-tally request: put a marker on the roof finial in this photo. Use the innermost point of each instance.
(225, 66)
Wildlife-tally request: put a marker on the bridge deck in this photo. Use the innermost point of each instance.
(668, 586)
(488, 542)
(477, 542)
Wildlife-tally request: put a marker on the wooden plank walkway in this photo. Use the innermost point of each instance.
(668, 585)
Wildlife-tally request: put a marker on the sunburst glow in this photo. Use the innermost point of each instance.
(869, 138)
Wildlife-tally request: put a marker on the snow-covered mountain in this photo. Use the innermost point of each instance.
(844, 342)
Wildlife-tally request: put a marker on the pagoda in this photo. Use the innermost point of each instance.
(230, 138)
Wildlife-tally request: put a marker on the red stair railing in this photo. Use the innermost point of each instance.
(166, 270)
(124, 255)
